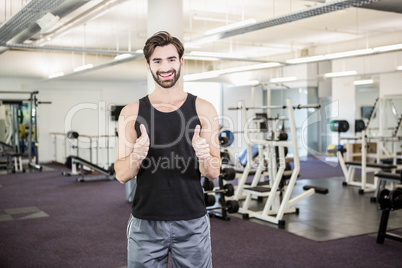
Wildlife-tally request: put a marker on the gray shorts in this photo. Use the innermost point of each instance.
(149, 243)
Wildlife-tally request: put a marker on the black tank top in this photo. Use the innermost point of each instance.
(168, 182)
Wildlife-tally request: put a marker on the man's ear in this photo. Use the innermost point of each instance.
(149, 69)
(182, 62)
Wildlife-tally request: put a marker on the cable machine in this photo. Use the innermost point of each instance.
(33, 125)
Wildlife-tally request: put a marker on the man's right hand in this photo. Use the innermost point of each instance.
(141, 145)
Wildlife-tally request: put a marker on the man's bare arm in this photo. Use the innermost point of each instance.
(206, 141)
(131, 150)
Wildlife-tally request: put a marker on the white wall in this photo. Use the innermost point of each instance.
(391, 84)
(208, 91)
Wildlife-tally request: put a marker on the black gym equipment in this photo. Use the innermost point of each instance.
(318, 190)
(226, 138)
(224, 207)
(209, 199)
(339, 126)
(359, 125)
(388, 201)
(228, 190)
(208, 185)
(225, 157)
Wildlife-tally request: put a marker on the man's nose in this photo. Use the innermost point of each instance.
(165, 66)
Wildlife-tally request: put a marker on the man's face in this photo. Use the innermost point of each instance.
(165, 66)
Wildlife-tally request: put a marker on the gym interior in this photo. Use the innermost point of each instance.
(309, 100)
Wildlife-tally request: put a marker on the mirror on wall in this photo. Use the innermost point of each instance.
(307, 132)
(366, 94)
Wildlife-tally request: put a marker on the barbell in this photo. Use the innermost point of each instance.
(228, 190)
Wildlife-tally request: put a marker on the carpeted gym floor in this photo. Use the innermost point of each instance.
(48, 220)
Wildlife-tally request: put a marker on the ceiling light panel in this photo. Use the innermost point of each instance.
(283, 79)
(363, 82)
(339, 74)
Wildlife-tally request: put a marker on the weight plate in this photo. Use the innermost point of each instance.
(383, 199)
(396, 198)
(228, 174)
(232, 206)
(208, 185)
(209, 200)
(228, 134)
(229, 189)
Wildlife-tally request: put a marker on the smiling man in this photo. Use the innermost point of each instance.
(168, 139)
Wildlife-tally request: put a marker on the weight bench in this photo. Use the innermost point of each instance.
(383, 178)
(75, 160)
(349, 173)
(372, 165)
(14, 161)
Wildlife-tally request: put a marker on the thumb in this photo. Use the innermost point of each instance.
(143, 131)
(197, 132)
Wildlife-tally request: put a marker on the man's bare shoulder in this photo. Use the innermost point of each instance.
(204, 106)
(130, 109)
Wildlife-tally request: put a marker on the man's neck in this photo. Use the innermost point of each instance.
(167, 95)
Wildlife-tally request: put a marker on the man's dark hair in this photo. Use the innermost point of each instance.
(162, 39)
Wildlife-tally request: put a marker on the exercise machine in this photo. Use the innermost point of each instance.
(14, 160)
(80, 166)
(278, 201)
(349, 167)
(13, 134)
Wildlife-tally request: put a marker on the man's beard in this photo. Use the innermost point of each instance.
(166, 83)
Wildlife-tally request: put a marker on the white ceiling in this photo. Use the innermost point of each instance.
(123, 27)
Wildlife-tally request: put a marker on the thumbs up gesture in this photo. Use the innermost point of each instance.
(200, 145)
(141, 145)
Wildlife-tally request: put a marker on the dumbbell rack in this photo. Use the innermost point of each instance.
(224, 207)
(222, 214)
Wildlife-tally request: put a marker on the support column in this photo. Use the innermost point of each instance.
(164, 16)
